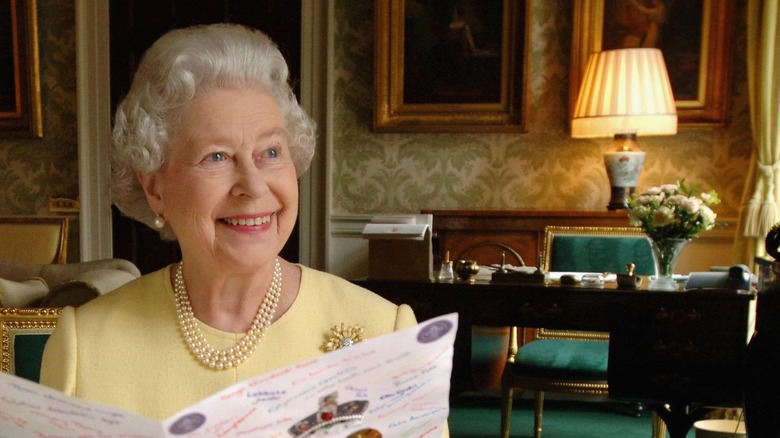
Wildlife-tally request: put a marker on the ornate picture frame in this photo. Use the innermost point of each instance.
(23, 333)
(20, 90)
(696, 57)
(450, 69)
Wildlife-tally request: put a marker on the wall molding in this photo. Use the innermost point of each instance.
(93, 91)
(315, 184)
(349, 251)
(348, 225)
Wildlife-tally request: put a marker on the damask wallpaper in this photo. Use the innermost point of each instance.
(32, 170)
(404, 173)
(542, 169)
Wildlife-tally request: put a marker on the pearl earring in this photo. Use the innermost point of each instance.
(159, 222)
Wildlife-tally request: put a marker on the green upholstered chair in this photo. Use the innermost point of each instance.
(24, 332)
(609, 252)
(567, 361)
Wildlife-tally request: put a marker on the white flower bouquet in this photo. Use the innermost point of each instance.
(673, 211)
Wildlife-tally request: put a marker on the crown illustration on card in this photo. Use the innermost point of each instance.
(330, 414)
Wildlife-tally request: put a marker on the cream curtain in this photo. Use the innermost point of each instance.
(762, 190)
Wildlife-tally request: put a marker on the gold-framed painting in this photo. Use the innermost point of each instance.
(20, 90)
(451, 66)
(693, 35)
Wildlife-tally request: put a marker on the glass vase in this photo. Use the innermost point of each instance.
(665, 253)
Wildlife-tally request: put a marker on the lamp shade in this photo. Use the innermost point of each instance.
(625, 91)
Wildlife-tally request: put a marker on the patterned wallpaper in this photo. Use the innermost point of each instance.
(403, 173)
(542, 169)
(32, 170)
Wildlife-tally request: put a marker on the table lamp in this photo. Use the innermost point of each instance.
(624, 93)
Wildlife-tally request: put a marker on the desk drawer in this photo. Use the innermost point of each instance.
(675, 351)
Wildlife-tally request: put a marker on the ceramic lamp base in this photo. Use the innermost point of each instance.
(619, 198)
(624, 164)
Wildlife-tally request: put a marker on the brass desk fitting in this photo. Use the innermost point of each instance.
(629, 280)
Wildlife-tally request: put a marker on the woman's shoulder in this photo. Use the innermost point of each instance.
(331, 294)
(327, 283)
(135, 293)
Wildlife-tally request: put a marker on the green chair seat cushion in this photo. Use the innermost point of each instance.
(563, 359)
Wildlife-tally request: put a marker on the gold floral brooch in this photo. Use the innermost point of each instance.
(342, 336)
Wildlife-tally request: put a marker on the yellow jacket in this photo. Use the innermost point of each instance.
(125, 349)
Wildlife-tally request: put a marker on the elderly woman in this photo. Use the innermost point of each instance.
(208, 145)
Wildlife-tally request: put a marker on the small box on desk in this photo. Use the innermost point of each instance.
(399, 247)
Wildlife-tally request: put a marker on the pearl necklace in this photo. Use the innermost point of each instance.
(233, 356)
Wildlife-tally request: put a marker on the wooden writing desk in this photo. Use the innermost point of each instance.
(459, 231)
(681, 349)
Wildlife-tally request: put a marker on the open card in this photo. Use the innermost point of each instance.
(393, 385)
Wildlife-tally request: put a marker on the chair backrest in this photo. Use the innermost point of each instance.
(597, 249)
(41, 240)
(24, 332)
(593, 249)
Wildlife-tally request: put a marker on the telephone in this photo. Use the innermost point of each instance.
(737, 277)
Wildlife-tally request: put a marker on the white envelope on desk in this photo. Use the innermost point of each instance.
(395, 231)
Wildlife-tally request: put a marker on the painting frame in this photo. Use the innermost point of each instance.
(506, 113)
(709, 105)
(20, 94)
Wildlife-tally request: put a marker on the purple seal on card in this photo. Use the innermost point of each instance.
(434, 331)
(187, 423)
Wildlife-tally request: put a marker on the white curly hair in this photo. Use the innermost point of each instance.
(181, 65)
